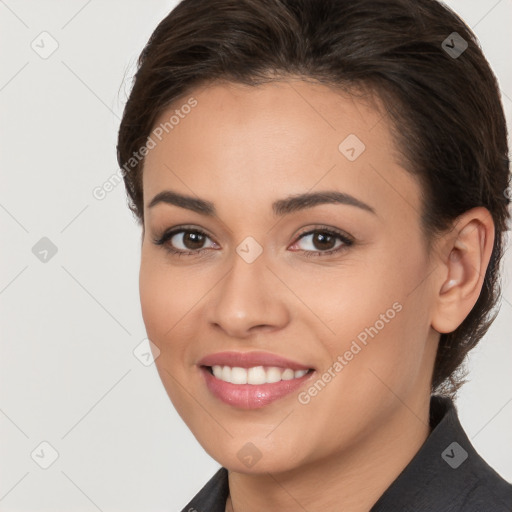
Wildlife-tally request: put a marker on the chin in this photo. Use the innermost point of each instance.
(254, 456)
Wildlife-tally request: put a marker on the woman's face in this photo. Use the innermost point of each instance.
(338, 285)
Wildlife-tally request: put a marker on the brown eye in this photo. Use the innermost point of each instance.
(192, 240)
(185, 241)
(322, 242)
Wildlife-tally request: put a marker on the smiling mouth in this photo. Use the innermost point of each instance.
(256, 375)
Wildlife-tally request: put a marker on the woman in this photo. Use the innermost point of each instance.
(321, 187)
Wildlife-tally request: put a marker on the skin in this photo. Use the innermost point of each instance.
(243, 148)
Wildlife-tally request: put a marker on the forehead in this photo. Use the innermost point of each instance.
(239, 142)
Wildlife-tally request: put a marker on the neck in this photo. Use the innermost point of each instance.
(351, 480)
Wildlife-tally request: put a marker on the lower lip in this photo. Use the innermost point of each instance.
(250, 396)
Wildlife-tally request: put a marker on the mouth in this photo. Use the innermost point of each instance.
(252, 380)
(256, 375)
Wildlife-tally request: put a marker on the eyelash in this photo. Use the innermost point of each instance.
(163, 239)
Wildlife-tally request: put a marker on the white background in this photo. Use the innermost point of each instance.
(69, 326)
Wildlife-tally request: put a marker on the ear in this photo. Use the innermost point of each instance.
(463, 260)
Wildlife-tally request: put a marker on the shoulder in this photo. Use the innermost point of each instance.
(212, 497)
(481, 487)
(447, 473)
(485, 488)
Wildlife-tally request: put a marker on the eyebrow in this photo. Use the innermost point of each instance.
(280, 207)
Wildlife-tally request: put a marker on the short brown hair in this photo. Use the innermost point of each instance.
(446, 112)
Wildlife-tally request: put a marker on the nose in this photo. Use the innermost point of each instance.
(249, 299)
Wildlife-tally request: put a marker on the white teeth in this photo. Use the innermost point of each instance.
(256, 374)
(273, 374)
(288, 374)
(226, 374)
(238, 375)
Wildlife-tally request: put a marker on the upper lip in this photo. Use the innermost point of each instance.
(250, 359)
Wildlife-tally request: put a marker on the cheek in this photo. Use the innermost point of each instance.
(165, 300)
(163, 305)
(377, 318)
(153, 299)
